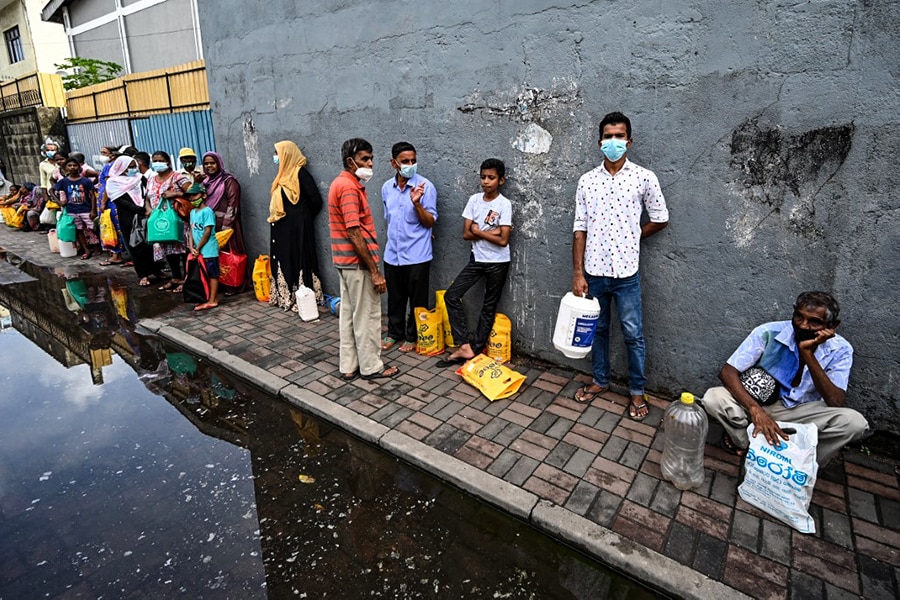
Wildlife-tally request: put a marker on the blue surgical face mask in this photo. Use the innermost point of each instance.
(613, 149)
(159, 167)
(408, 171)
(50, 153)
(132, 172)
(275, 159)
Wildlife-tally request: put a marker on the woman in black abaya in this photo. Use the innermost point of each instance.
(293, 207)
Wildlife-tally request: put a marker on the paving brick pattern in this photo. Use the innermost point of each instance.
(596, 462)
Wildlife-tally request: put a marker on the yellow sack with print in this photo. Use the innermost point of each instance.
(494, 380)
(108, 236)
(262, 277)
(441, 307)
(499, 345)
(430, 332)
(13, 217)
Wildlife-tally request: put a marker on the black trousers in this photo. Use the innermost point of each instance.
(407, 289)
(176, 264)
(494, 275)
(142, 254)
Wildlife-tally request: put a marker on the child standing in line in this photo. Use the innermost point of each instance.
(203, 242)
(77, 194)
(488, 222)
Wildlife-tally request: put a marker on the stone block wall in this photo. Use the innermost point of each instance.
(22, 132)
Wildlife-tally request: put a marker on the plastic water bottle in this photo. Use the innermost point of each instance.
(685, 426)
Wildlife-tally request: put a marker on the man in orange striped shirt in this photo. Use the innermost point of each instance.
(354, 251)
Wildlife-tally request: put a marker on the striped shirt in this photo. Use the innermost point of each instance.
(348, 206)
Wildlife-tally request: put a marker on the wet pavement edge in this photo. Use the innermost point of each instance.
(605, 545)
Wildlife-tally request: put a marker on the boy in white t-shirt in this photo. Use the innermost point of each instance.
(488, 222)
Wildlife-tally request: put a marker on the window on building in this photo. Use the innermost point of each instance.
(14, 45)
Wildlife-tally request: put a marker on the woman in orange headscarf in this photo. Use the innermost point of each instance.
(295, 202)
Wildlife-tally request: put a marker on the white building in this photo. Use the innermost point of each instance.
(30, 44)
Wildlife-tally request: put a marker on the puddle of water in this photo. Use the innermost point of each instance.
(171, 478)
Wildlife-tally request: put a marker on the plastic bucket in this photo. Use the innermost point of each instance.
(67, 249)
(51, 239)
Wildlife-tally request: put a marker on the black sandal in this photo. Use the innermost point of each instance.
(731, 448)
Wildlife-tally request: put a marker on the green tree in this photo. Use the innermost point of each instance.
(83, 72)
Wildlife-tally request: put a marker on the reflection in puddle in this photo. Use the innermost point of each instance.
(172, 478)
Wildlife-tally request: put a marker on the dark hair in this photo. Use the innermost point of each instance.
(111, 149)
(495, 164)
(73, 160)
(165, 156)
(129, 151)
(77, 156)
(59, 155)
(614, 118)
(820, 300)
(351, 147)
(143, 158)
(399, 147)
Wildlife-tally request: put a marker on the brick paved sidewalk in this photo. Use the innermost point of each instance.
(588, 459)
(594, 461)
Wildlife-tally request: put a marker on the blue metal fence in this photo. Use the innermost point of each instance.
(174, 131)
(170, 132)
(87, 138)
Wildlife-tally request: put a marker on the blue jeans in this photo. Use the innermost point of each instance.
(627, 294)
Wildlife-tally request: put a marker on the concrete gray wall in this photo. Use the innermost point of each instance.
(773, 127)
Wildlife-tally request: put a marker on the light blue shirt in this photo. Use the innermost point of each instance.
(773, 347)
(201, 218)
(408, 241)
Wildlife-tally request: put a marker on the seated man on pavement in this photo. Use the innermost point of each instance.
(790, 371)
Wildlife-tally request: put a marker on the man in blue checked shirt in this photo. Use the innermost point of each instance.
(410, 210)
(810, 365)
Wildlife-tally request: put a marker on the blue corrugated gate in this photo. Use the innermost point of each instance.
(174, 131)
(87, 138)
(170, 132)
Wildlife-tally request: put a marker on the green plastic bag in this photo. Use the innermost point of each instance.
(65, 227)
(164, 225)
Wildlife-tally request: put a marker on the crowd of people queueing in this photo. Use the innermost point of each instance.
(130, 185)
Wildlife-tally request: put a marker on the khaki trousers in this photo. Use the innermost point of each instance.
(360, 323)
(837, 426)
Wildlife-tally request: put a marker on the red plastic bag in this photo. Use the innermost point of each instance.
(232, 268)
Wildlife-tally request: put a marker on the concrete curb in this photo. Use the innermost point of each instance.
(151, 325)
(249, 372)
(344, 418)
(493, 490)
(628, 557)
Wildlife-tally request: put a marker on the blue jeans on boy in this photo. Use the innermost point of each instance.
(494, 275)
(627, 294)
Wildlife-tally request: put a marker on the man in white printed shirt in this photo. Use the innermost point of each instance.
(609, 202)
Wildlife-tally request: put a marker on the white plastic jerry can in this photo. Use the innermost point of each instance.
(306, 304)
(576, 323)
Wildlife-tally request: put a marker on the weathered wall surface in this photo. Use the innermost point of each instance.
(22, 132)
(773, 127)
